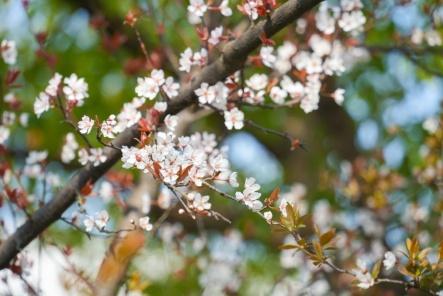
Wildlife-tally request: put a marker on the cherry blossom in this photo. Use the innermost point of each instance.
(363, 276)
(267, 215)
(75, 89)
(8, 51)
(101, 219)
(107, 127)
(267, 56)
(338, 96)
(4, 134)
(160, 106)
(171, 122)
(224, 8)
(147, 88)
(278, 95)
(234, 119)
(85, 125)
(250, 9)
(170, 87)
(257, 81)
(352, 21)
(53, 85)
(83, 156)
(69, 149)
(199, 202)
(205, 94)
(216, 35)
(197, 7)
(389, 260)
(144, 223)
(97, 156)
(250, 196)
(186, 60)
(41, 104)
(200, 58)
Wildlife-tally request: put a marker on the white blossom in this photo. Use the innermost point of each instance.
(352, 21)
(197, 7)
(41, 104)
(107, 127)
(144, 223)
(186, 60)
(257, 81)
(234, 119)
(4, 134)
(170, 87)
(97, 156)
(101, 219)
(171, 122)
(8, 51)
(267, 215)
(339, 96)
(205, 94)
(278, 95)
(147, 88)
(85, 125)
(69, 148)
(75, 89)
(267, 56)
(161, 106)
(225, 9)
(216, 35)
(250, 196)
(53, 85)
(389, 260)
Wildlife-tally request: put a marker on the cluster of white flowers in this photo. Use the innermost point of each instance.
(326, 57)
(34, 164)
(389, 260)
(197, 9)
(144, 223)
(99, 221)
(362, 275)
(215, 95)
(4, 134)
(430, 36)
(250, 195)
(234, 119)
(95, 156)
(220, 271)
(188, 159)
(69, 149)
(198, 202)
(189, 59)
(149, 87)
(75, 90)
(85, 125)
(8, 51)
(216, 36)
(251, 8)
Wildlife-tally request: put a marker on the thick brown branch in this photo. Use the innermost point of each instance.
(232, 58)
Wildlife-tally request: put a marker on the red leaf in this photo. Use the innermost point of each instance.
(87, 189)
(11, 76)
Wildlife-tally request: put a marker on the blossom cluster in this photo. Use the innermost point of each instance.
(75, 90)
(181, 160)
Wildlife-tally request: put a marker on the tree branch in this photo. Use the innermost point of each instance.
(232, 58)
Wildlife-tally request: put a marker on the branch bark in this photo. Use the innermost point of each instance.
(232, 58)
